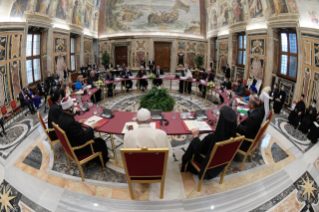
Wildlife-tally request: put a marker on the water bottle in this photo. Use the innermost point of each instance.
(98, 109)
(174, 113)
(233, 104)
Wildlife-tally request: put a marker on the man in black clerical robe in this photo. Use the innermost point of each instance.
(226, 84)
(55, 111)
(308, 118)
(314, 130)
(240, 89)
(297, 113)
(279, 101)
(275, 91)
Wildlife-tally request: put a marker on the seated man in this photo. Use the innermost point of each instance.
(240, 89)
(142, 82)
(75, 133)
(158, 72)
(253, 92)
(83, 70)
(309, 118)
(226, 84)
(298, 112)
(186, 73)
(25, 100)
(92, 79)
(1, 123)
(111, 86)
(79, 84)
(313, 135)
(145, 135)
(250, 127)
(208, 77)
(55, 111)
(126, 74)
(35, 98)
(275, 91)
(279, 100)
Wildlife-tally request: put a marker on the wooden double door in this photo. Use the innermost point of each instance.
(120, 55)
(163, 55)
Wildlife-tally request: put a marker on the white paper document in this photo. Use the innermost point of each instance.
(92, 120)
(183, 78)
(240, 102)
(200, 125)
(316, 124)
(202, 81)
(135, 126)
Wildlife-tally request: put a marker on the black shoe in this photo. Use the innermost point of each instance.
(4, 133)
(1, 135)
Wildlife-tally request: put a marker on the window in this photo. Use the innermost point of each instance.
(288, 55)
(72, 54)
(216, 50)
(241, 56)
(33, 60)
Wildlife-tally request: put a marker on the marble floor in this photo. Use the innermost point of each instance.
(283, 175)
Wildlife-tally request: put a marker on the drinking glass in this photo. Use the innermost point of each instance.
(174, 113)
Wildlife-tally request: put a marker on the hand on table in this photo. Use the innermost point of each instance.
(95, 125)
(299, 113)
(82, 121)
(238, 120)
(195, 132)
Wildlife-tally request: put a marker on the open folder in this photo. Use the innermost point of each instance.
(193, 124)
(154, 125)
(96, 119)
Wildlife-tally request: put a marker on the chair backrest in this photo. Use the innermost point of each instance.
(41, 121)
(4, 110)
(13, 104)
(247, 92)
(64, 140)
(49, 101)
(73, 86)
(271, 115)
(224, 152)
(260, 133)
(145, 162)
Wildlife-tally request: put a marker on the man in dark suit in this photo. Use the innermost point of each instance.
(202, 68)
(240, 89)
(126, 74)
(75, 133)
(275, 91)
(208, 77)
(111, 86)
(249, 128)
(49, 83)
(92, 79)
(158, 71)
(151, 65)
(83, 70)
(226, 84)
(55, 111)
(25, 100)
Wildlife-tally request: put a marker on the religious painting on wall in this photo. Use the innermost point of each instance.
(222, 62)
(307, 52)
(275, 58)
(190, 59)
(60, 45)
(87, 17)
(256, 68)
(87, 47)
(182, 16)
(5, 92)
(191, 47)
(289, 89)
(62, 9)
(213, 18)
(139, 57)
(96, 21)
(15, 46)
(59, 65)
(223, 47)
(234, 52)
(237, 11)
(44, 43)
(315, 88)
(255, 8)
(3, 48)
(140, 45)
(201, 48)
(45, 67)
(77, 13)
(15, 73)
(224, 17)
(18, 8)
(277, 6)
(292, 6)
(257, 47)
(43, 6)
(316, 55)
(306, 84)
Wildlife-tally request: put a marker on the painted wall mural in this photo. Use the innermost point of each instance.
(316, 54)
(307, 52)
(44, 43)
(5, 94)
(187, 51)
(315, 89)
(59, 64)
(15, 73)
(3, 48)
(87, 16)
(306, 84)
(15, 46)
(140, 50)
(222, 55)
(257, 47)
(182, 16)
(60, 45)
(18, 8)
(256, 68)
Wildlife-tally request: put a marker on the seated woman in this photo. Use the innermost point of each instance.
(186, 73)
(36, 99)
(79, 84)
(226, 128)
(143, 82)
(1, 123)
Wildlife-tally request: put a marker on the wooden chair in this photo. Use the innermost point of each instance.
(254, 143)
(47, 132)
(49, 101)
(69, 150)
(15, 109)
(6, 116)
(145, 166)
(222, 154)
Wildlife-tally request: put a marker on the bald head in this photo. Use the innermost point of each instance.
(253, 102)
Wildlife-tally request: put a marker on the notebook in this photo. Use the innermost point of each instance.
(96, 119)
(200, 125)
(154, 125)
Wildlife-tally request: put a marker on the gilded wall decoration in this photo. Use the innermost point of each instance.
(181, 45)
(87, 59)
(307, 52)
(191, 47)
(44, 43)
(139, 57)
(234, 52)
(223, 47)
(4, 85)
(180, 59)
(78, 61)
(222, 62)
(212, 51)
(275, 57)
(59, 64)
(87, 47)
(316, 54)
(15, 73)
(201, 48)
(140, 45)
(257, 47)
(315, 88)
(45, 67)
(289, 89)
(78, 44)
(256, 68)
(60, 45)
(87, 16)
(18, 8)
(15, 46)
(190, 59)
(3, 48)
(306, 83)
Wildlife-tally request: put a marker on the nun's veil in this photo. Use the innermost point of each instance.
(226, 128)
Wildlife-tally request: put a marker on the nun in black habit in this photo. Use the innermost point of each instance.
(297, 113)
(309, 117)
(279, 101)
(226, 128)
